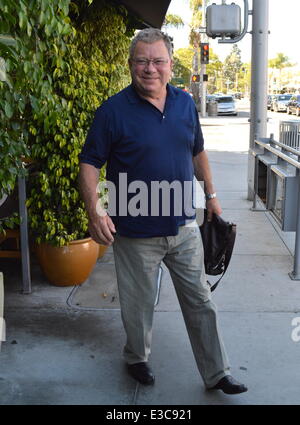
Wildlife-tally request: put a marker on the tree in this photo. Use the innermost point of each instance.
(232, 68)
(173, 21)
(194, 39)
(281, 61)
(245, 79)
(182, 68)
(214, 70)
(194, 36)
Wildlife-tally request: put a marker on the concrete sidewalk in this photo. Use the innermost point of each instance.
(56, 354)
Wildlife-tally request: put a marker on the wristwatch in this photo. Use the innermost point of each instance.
(209, 196)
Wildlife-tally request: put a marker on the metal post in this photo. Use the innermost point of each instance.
(24, 237)
(203, 67)
(295, 274)
(195, 86)
(203, 91)
(259, 81)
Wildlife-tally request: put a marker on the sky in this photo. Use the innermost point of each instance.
(283, 25)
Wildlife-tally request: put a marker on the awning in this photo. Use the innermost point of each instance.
(151, 12)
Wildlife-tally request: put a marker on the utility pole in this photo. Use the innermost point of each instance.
(259, 66)
(195, 85)
(259, 82)
(203, 66)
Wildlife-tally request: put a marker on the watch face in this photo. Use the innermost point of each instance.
(211, 196)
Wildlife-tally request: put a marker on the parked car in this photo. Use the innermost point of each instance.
(280, 102)
(293, 106)
(226, 105)
(270, 100)
(238, 95)
(210, 97)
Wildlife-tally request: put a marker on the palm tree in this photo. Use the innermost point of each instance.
(194, 36)
(173, 21)
(281, 61)
(195, 39)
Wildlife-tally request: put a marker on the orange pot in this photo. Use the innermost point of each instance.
(102, 250)
(68, 265)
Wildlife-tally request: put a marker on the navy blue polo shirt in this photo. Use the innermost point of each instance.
(141, 144)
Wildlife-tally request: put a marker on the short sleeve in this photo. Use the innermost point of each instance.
(199, 140)
(97, 146)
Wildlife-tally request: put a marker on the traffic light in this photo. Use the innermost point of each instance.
(195, 78)
(204, 53)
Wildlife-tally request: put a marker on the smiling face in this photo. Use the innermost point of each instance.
(150, 79)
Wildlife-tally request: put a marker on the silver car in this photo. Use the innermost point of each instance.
(280, 102)
(226, 105)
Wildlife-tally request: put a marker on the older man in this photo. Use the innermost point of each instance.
(150, 132)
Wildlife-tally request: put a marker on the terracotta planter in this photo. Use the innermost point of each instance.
(102, 250)
(68, 265)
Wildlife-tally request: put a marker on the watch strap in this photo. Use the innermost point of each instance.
(209, 196)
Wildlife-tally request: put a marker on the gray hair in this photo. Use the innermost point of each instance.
(151, 35)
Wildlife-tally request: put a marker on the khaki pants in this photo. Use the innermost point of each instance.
(137, 265)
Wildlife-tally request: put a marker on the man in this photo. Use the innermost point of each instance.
(150, 132)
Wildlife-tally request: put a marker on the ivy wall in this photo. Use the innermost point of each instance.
(67, 58)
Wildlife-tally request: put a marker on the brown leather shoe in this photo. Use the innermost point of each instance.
(141, 372)
(230, 386)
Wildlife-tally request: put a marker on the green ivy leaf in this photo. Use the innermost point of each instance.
(8, 110)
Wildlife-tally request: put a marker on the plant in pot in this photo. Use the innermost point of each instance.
(72, 60)
(12, 143)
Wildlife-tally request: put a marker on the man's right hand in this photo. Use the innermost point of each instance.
(101, 230)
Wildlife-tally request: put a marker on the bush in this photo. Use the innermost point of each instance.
(67, 59)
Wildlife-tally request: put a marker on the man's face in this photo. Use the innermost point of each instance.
(151, 78)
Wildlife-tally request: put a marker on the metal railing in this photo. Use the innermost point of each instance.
(289, 155)
(267, 144)
(289, 133)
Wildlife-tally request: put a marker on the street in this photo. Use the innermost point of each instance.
(231, 134)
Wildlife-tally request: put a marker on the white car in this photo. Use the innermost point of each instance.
(226, 105)
(280, 102)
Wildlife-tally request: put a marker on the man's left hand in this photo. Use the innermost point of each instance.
(213, 206)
